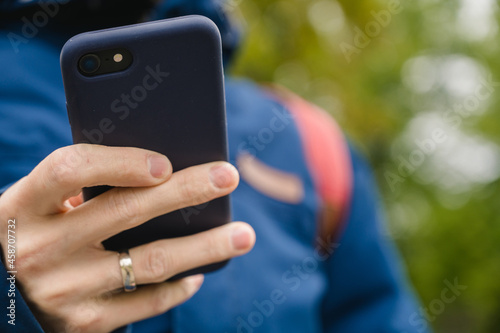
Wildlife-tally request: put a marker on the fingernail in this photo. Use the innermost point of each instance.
(240, 238)
(195, 281)
(220, 175)
(158, 165)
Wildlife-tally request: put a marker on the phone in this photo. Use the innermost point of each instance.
(158, 86)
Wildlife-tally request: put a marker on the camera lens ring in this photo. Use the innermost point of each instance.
(89, 64)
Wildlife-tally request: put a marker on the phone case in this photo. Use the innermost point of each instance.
(170, 100)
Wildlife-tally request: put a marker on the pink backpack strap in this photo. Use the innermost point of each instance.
(328, 159)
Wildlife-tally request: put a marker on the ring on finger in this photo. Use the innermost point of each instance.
(128, 276)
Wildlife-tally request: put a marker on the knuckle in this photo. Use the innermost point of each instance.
(51, 298)
(187, 188)
(125, 205)
(162, 300)
(27, 263)
(214, 248)
(87, 319)
(48, 297)
(32, 256)
(63, 165)
(195, 190)
(156, 262)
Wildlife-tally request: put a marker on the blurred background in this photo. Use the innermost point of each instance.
(414, 85)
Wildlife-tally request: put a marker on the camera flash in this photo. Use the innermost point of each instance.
(118, 57)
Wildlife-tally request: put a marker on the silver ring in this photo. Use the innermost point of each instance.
(128, 275)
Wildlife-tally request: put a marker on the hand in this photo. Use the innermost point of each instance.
(69, 280)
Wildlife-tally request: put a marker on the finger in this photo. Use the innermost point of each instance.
(160, 260)
(146, 302)
(124, 208)
(97, 272)
(67, 170)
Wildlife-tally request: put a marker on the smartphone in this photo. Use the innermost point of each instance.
(158, 86)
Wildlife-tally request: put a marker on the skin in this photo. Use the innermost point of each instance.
(70, 282)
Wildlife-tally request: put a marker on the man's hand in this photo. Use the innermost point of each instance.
(67, 277)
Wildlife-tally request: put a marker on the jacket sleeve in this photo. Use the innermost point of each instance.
(368, 289)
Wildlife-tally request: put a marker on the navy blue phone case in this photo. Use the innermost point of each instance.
(170, 100)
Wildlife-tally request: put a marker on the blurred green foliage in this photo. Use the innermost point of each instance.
(428, 59)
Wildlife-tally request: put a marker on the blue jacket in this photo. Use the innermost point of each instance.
(282, 285)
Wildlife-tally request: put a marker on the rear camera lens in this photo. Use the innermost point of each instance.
(89, 64)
